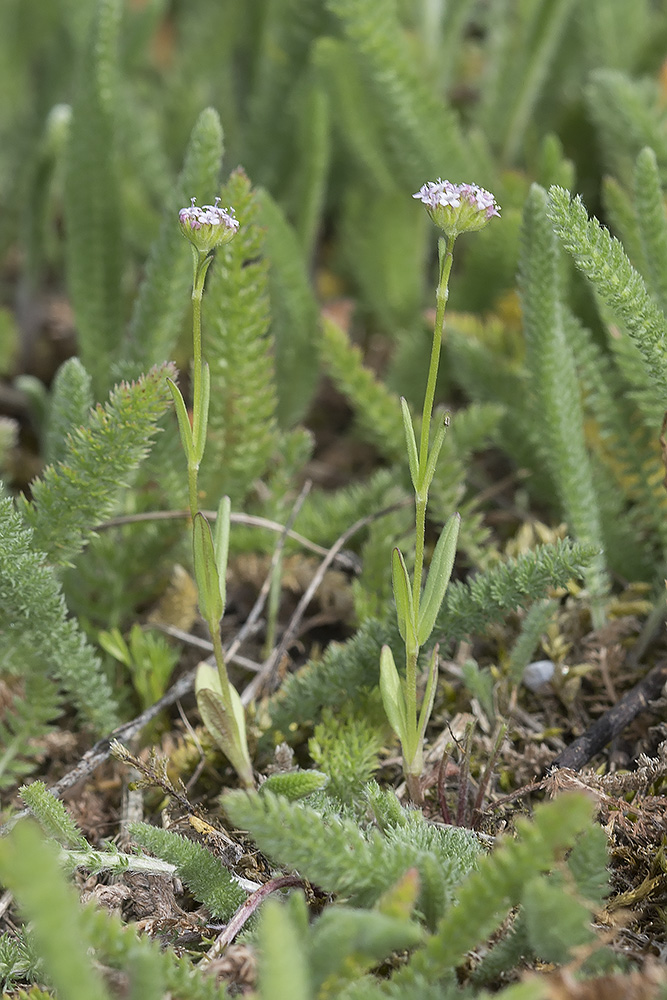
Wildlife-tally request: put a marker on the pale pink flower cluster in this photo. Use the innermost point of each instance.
(435, 194)
(208, 215)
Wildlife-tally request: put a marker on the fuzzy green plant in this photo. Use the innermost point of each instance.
(557, 406)
(359, 865)
(50, 647)
(74, 942)
(93, 200)
(71, 497)
(204, 875)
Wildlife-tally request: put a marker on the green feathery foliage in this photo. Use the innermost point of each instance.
(287, 31)
(557, 409)
(20, 963)
(524, 41)
(294, 317)
(355, 119)
(470, 607)
(26, 721)
(204, 875)
(242, 428)
(74, 496)
(384, 246)
(487, 375)
(337, 855)
(502, 880)
(28, 867)
(313, 145)
(652, 224)
(300, 961)
(628, 467)
(532, 628)
(615, 34)
(294, 785)
(372, 589)
(74, 941)
(69, 406)
(346, 746)
(325, 516)
(421, 134)
(628, 115)
(52, 816)
(472, 429)
(35, 629)
(620, 213)
(158, 970)
(93, 202)
(600, 257)
(165, 291)
(377, 410)
(334, 679)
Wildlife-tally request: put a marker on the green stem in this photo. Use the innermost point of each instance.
(421, 492)
(219, 654)
(201, 265)
(411, 696)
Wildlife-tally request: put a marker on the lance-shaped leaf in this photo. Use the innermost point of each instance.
(429, 695)
(410, 441)
(206, 573)
(393, 698)
(403, 597)
(226, 724)
(438, 578)
(183, 422)
(441, 429)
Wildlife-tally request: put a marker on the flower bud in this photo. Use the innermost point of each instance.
(208, 227)
(457, 208)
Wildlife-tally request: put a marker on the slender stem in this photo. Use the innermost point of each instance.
(421, 492)
(411, 695)
(193, 467)
(219, 654)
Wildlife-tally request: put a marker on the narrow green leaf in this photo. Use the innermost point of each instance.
(200, 443)
(224, 729)
(438, 578)
(206, 573)
(429, 695)
(441, 430)
(403, 597)
(112, 642)
(184, 427)
(410, 442)
(391, 690)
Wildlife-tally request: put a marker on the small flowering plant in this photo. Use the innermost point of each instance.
(456, 209)
(208, 227)
(219, 704)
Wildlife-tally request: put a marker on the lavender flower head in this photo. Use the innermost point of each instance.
(457, 208)
(208, 227)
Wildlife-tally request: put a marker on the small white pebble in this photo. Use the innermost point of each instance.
(537, 674)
